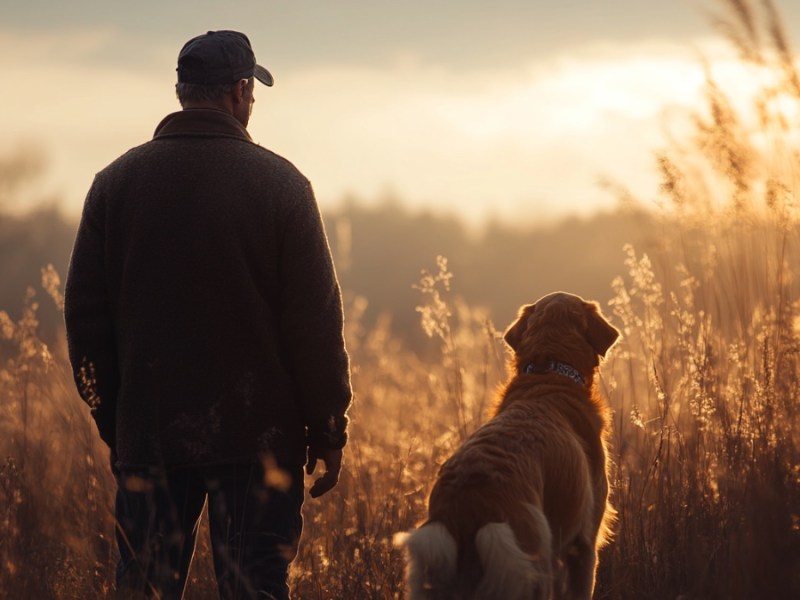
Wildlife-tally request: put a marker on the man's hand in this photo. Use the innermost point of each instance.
(333, 464)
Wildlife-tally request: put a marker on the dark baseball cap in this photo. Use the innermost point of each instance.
(219, 57)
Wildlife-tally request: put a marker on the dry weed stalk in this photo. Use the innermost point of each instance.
(705, 383)
(54, 487)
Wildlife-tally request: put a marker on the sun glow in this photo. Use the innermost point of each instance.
(531, 141)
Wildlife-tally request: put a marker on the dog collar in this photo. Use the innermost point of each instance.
(556, 367)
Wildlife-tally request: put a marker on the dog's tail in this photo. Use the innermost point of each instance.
(433, 560)
(510, 572)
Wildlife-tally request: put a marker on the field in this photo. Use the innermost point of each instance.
(704, 387)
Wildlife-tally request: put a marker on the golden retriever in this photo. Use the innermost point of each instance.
(520, 510)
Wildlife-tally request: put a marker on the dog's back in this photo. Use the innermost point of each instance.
(485, 536)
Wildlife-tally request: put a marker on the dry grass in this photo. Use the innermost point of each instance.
(704, 386)
(55, 485)
(706, 477)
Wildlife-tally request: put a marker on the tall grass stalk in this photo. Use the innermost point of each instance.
(55, 486)
(705, 382)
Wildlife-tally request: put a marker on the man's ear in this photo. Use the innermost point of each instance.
(516, 330)
(239, 89)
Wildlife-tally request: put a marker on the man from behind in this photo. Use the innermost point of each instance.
(204, 323)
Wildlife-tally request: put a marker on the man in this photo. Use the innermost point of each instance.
(204, 323)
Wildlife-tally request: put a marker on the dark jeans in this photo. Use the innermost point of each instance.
(255, 527)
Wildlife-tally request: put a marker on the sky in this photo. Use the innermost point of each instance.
(512, 110)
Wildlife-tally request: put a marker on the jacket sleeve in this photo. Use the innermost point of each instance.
(311, 324)
(87, 313)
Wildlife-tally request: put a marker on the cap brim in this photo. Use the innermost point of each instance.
(263, 75)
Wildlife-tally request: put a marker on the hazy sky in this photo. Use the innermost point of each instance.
(510, 108)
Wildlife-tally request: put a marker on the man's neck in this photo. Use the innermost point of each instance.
(220, 105)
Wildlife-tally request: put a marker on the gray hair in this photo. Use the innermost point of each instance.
(200, 92)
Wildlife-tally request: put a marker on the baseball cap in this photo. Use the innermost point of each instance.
(219, 57)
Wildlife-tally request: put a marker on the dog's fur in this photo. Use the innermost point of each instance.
(519, 511)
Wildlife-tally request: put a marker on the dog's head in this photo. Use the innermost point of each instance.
(561, 327)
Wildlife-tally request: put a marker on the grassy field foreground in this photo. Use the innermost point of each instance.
(706, 461)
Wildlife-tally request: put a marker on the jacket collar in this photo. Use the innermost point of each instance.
(201, 122)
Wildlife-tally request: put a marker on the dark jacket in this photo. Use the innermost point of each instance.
(204, 319)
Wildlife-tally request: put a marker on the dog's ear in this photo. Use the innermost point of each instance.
(516, 330)
(600, 334)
